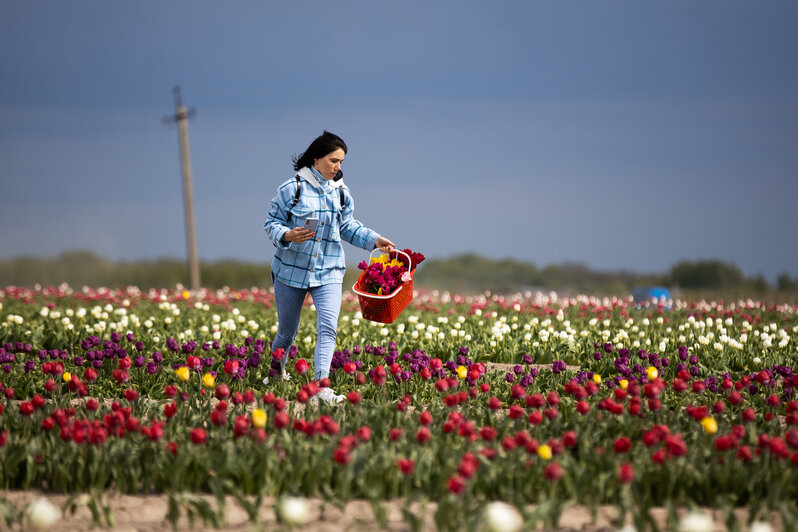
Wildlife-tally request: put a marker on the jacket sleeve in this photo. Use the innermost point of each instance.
(354, 231)
(276, 224)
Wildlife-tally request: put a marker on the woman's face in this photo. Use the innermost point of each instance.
(329, 165)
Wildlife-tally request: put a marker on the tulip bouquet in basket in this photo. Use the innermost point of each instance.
(385, 273)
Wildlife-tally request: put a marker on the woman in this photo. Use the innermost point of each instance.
(308, 260)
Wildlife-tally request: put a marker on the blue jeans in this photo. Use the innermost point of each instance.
(327, 300)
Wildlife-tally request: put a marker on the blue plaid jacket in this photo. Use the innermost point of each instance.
(320, 260)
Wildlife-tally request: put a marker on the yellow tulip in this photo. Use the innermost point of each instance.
(652, 372)
(208, 380)
(462, 372)
(597, 378)
(67, 375)
(183, 373)
(186, 294)
(544, 451)
(259, 418)
(624, 383)
(710, 425)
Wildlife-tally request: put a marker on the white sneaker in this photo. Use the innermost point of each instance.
(285, 376)
(328, 396)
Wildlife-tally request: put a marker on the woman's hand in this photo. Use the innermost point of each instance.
(298, 235)
(385, 245)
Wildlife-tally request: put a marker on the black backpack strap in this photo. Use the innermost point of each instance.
(296, 196)
(343, 203)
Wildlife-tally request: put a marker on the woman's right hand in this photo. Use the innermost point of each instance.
(298, 235)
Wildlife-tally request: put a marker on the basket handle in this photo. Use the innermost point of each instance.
(409, 262)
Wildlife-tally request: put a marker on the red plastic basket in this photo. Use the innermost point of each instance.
(384, 309)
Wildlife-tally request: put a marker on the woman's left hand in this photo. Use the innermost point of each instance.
(385, 245)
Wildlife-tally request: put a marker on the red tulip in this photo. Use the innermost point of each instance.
(258, 435)
(552, 399)
(626, 473)
(517, 392)
(725, 442)
(218, 417)
(241, 426)
(553, 471)
(515, 412)
(406, 465)
(341, 456)
(535, 400)
(171, 447)
(622, 445)
(354, 397)
(569, 439)
(131, 394)
(198, 436)
(456, 485)
(364, 433)
(282, 420)
(744, 453)
(423, 435)
(468, 466)
(679, 385)
(301, 366)
(26, 408)
(425, 418)
(535, 417)
(487, 433)
(676, 445)
(658, 457)
(37, 401)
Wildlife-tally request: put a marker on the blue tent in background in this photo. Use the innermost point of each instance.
(643, 295)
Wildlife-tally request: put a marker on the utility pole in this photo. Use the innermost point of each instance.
(181, 116)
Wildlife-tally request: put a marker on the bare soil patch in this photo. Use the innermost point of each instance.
(149, 513)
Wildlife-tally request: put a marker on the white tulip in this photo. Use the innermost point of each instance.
(760, 526)
(294, 510)
(502, 517)
(43, 514)
(696, 522)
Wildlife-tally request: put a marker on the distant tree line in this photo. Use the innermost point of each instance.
(468, 273)
(84, 268)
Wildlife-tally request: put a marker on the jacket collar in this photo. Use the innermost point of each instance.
(307, 174)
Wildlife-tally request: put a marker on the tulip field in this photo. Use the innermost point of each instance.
(532, 401)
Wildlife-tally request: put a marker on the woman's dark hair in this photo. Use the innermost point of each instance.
(323, 145)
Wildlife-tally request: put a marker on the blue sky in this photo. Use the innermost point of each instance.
(618, 134)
